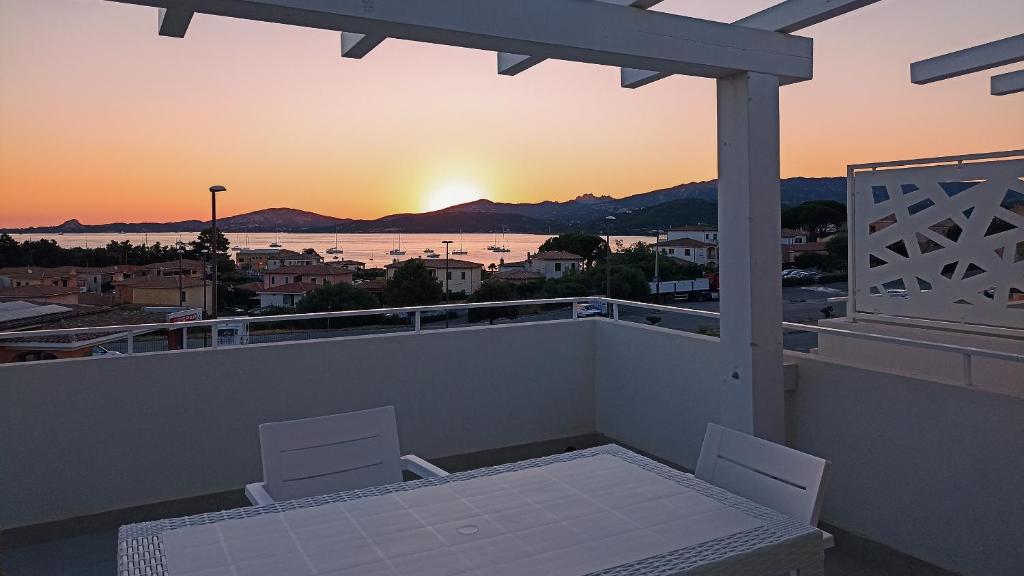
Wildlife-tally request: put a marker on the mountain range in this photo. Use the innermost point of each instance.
(686, 204)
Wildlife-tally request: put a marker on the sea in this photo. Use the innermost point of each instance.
(369, 248)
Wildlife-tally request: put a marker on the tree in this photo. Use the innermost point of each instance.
(493, 291)
(336, 297)
(201, 246)
(641, 256)
(838, 255)
(591, 248)
(629, 284)
(413, 285)
(815, 217)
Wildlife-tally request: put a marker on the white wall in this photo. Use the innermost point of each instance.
(989, 373)
(84, 436)
(933, 470)
(656, 389)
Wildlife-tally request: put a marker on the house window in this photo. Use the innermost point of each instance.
(463, 275)
(449, 275)
(671, 250)
(184, 298)
(686, 252)
(558, 266)
(798, 240)
(273, 279)
(313, 280)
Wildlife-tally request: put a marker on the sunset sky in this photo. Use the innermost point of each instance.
(103, 120)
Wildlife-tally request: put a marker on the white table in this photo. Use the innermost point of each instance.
(603, 510)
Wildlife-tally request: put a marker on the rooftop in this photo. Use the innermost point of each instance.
(311, 270)
(556, 255)
(438, 263)
(292, 288)
(684, 243)
(37, 291)
(162, 282)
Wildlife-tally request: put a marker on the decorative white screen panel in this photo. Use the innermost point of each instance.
(941, 242)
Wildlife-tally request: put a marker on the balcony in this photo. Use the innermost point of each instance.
(921, 479)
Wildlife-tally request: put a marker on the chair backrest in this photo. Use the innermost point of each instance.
(772, 475)
(328, 454)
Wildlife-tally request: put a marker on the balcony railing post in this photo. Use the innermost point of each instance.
(416, 321)
(184, 338)
(968, 371)
(615, 311)
(131, 342)
(213, 335)
(575, 309)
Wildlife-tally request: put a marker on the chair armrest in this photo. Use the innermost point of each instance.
(257, 494)
(421, 467)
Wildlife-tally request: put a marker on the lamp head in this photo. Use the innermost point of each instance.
(218, 188)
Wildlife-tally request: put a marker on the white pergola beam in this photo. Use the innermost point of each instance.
(562, 29)
(355, 45)
(512, 64)
(789, 16)
(969, 60)
(1009, 83)
(173, 22)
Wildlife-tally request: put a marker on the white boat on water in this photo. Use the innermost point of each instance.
(428, 250)
(337, 249)
(461, 251)
(433, 255)
(397, 251)
(276, 243)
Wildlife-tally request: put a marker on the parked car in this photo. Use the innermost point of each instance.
(587, 309)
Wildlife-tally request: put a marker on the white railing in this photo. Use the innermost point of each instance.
(130, 332)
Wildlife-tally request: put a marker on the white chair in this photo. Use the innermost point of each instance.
(772, 475)
(315, 456)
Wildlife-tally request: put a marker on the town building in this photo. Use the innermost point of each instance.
(791, 251)
(689, 250)
(262, 259)
(351, 265)
(790, 237)
(463, 276)
(284, 295)
(41, 293)
(291, 258)
(315, 275)
(518, 276)
(187, 267)
(166, 291)
(513, 266)
(555, 264)
(41, 315)
(63, 276)
(701, 233)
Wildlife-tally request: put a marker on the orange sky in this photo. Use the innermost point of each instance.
(102, 120)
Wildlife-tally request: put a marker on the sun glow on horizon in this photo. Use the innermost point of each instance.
(451, 194)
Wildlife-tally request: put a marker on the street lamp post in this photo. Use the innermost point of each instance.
(608, 263)
(447, 274)
(213, 243)
(181, 292)
(657, 275)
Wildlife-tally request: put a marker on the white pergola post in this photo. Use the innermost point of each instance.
(749, 223)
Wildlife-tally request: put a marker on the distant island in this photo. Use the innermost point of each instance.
(686, 204)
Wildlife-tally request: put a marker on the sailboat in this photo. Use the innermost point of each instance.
(336, 249)
(398, 250)
(275, 243)
(461, 251)
(494, 247)
(503, 249)
(433, 254)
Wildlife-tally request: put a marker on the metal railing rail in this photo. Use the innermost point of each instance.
(130, 331)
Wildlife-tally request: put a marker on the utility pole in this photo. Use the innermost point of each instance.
(214, 244)
(447, 274)
(181, 292)
(608, 261)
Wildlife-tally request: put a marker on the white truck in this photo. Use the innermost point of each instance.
(699, 289)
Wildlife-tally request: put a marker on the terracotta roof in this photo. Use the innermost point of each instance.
(375, 285)
(439, 263)
(347, 263)
(38, 272)
(293, 288)
(698, 228)
(173, 264)
(517, 275)
(789, 233)
(311, 270)
(158, 282)
(683, 243)
(250, 286)
(37, 291)
(556, 255)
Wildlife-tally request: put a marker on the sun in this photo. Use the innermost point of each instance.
(451, 194)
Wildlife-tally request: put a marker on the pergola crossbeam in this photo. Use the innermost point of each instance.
(561, 29)
(970, 60)
(355, 45)
(788, 16)
(173, 22)
(1009, 83)
(512, 64)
